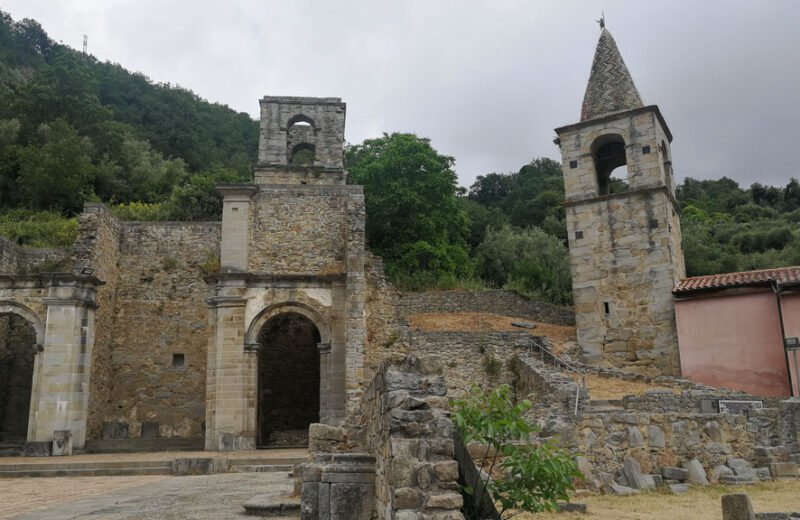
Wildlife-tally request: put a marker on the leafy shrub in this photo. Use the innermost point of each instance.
(143, 211)
(534, 477)
(529, 261)
(38, 228)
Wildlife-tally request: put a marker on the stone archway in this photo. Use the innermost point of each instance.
(288, 388)
(19, 340)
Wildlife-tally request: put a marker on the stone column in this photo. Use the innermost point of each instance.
(324, 361)
(235, 225)
(60, 398)
(230, 396)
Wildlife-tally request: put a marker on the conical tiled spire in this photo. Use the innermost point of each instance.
(610, 87)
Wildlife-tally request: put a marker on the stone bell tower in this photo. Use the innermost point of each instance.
(624, 241)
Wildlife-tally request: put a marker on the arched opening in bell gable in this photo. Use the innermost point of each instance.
(302, 155)
(17, 355)
(610, 163)
(288, 380)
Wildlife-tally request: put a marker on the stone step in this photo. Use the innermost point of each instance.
(271, 507)
(143, 445)
(87, 472)
(605, 403)
(59, 467)
(262, 468)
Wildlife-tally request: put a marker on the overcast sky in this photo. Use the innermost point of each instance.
(486, 81)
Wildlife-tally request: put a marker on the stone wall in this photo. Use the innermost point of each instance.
(23, 260)
(97, 248)
(546, 387)
(404, 411)
(301, 229)
(160, 329)
(506, 303)
(670, 439)
(9, 256)
(383, 324)
(466, 358)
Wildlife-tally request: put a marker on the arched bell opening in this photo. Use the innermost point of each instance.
(288, 380)
(608, 152)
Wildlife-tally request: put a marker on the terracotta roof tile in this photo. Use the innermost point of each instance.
(782, 275)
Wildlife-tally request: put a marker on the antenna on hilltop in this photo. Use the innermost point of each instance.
(85, 43)
(602, 20)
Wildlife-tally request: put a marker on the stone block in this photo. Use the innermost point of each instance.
(37, 449)
(408, 498)
(679, 488)
(737, 507)
(720, 471)
(783, 469)
(585, 467)
(739, 466)
(62, 443)
(633, 474)
(695, 473)
(674, 473)
(351, 501)
(192, 466)
(150, 430)
(115, 430)
(635, 437)
(655, 436)
(616, 489)
(445, 501)
(572, 507)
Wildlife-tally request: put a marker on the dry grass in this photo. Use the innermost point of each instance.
(697, 504)
(612, 388)
(485, 322)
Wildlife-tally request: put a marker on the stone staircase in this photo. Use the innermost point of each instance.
(146, 465)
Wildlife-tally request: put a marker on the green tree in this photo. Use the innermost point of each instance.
(520, 477)
(414, 219)
(529, 261)
(56, 173)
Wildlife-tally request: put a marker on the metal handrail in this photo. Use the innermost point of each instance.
(560, 363)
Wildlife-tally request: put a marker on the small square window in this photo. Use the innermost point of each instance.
(653, 223)
(578, 235)
(573, 164)
(646, 149)
(178, 360)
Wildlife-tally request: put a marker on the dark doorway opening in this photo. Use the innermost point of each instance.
(288, 380)
(17, 355)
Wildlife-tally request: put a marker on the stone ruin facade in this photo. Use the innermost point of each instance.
(219, 335)
(275, 327)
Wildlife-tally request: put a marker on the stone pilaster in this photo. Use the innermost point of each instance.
(230, 393)
(60, 396)
(235, 225)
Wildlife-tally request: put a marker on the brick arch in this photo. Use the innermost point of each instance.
(251, 337)
(11, 307)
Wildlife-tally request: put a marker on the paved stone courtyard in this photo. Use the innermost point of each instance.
(203, 497)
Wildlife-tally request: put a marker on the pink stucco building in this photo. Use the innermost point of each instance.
(731, 330)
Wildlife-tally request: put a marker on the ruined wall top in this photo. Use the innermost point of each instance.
(298, 135)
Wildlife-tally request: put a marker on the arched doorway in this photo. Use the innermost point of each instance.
(17, 355)
(288, 380)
